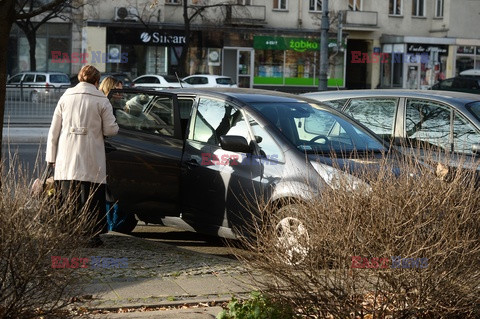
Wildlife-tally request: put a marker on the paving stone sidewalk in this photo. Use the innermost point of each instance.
(158, 274)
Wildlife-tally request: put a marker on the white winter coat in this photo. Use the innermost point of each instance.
(75, 144)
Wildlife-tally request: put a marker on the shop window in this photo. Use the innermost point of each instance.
(355, 5)
(269, 64)
(299, 67)
(464, 63)
(280, 4)
(427, 124)
(439, 9)
(395, 7)
(315, 5)
(418, 8)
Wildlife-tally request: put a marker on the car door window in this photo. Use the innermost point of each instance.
(15, 79)
(215, 118)
(268, 147)
(428, 122)
(142, 112)
(40, 78)
(464, 135)
(446, 84)
(378, 114)
(337, 104)
(29, 78)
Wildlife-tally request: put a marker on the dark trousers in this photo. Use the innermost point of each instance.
(91, 194)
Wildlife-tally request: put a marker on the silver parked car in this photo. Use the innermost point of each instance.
(37, 86)
(442, 120)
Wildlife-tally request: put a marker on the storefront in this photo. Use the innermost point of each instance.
(467, 57)
(293, 62)
(144, 51)
(414, 64)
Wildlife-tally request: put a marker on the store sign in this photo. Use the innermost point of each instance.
(159, 38)
(422, 48)
(295, 44)
(466, 50)
(281, 43)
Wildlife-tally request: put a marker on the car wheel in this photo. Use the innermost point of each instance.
(291, 235)
(34, 97)
(120, 221)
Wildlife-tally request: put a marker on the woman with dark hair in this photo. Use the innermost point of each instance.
(75, 146)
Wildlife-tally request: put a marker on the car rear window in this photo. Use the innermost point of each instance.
(170, 78)
(59, 78)
(224, 81)
(474, 108)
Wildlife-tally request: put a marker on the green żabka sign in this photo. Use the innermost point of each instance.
(281, 43)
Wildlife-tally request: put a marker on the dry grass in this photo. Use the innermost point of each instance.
(32, 229)
(414, 214)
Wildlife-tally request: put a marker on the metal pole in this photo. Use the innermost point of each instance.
(323, 75)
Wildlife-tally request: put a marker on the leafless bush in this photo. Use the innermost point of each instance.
(405, 245)
(32, 230)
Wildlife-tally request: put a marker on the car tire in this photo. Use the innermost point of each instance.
(292, 240)
(34, 98)
(120, 221)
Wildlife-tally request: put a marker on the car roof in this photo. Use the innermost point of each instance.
(246, 95)
(209, 76)
(443, 96)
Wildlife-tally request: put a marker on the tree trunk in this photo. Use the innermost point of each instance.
(32, 43)
(183, 57)
(7, 15)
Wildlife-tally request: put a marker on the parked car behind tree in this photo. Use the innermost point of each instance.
(37, 86)
(443, 121)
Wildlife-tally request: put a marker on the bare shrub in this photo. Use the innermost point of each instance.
(32, 230)
(403, 244)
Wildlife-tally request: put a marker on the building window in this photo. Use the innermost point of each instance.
(395, 7)
(439, 9)
(315, 5)
(173, 1)
(355, 5)
(244, 2)
(418, 8)
(280, 4)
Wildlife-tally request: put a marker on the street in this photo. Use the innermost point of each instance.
(188, 240)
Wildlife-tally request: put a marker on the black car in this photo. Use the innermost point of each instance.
(462, 83)
(192, 158)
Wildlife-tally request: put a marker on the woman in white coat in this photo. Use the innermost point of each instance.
(75, 145)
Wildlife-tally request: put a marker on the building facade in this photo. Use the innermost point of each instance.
(271, 44)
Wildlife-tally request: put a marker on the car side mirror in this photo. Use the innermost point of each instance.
(476, 148)
(235, 143)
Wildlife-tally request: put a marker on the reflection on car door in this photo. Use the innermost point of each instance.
(216, 183)
(143, 160)
(378, 114)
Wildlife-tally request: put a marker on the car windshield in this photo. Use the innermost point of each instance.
(313, 129)
(474, 108)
